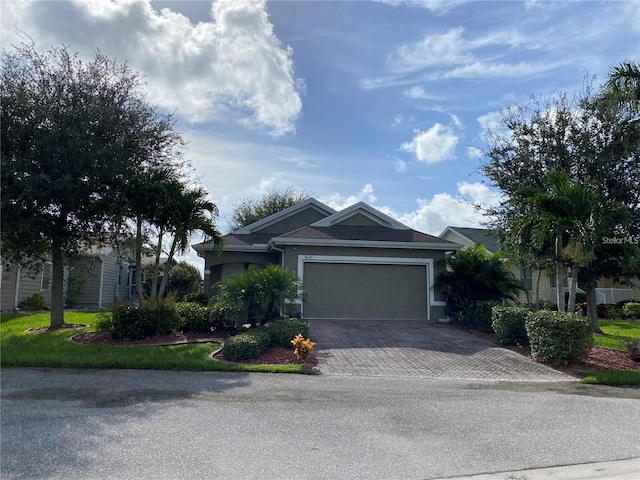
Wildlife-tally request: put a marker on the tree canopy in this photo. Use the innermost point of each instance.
(592, 139)
(76, 137)
(249, 211)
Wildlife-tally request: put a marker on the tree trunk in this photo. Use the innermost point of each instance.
(156, 272)
(167, 270)
(139, 262)
(575, 270)
(560, 285)
(538, 288)
(57, 284)
(592, 308)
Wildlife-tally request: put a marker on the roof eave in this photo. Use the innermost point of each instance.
(367, 243)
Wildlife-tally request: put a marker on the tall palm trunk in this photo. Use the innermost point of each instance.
(592, 307)
(575, 270)
(560, 284)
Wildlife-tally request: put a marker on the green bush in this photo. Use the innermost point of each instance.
(34, 302)
(194, 317)
(509, 324)
(478, 315)
(165, 315)
(559, 339)
(130, 322)
(199, 298)
(246, 346)
(283, 331)
(631, 309)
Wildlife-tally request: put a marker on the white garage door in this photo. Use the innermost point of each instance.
(353, 290)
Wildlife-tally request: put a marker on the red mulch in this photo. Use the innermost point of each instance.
(600, 358)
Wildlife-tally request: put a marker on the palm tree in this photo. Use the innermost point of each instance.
(624, 84)
(193, 212)
(572, 215)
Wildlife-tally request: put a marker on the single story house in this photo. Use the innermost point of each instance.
(607, 292)
(354, 264)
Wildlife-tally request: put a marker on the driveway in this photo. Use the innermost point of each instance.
(404, 348)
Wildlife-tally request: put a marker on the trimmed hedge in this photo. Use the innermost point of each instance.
(283, 331)
(509, 324)
(478, 315)
(246, 346)
(131, 322)
(559, 339)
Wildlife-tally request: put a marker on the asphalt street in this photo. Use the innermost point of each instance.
(86, 424)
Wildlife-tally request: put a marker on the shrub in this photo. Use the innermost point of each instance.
(74, 288)
(33, 302)
(222, 316)
(509, 324)
(558, 339)
(478, 315)
(194, 317)
(246, 346)
(131, 322)
(165, 316)
(199, 298)
(631, 309)
(302, 348)
(604, 310)
(283, 331)
(633, 348)
(545, 304)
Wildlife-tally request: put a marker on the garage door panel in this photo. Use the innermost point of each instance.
(336, 290)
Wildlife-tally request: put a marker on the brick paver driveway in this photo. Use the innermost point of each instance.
(401, 348)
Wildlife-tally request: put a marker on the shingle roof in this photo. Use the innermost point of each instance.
(362, 233)
(480, 236)
(238, 239)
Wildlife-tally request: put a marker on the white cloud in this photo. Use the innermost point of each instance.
(432, 215)
(400, 166)
(231, 66)
(490, 121)
(400, 119)
(339, 202)
(419, 93)
(438, 7)
(474, 153)
(434, 145)
(456, 121)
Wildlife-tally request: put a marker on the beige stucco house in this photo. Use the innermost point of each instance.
(354, 264)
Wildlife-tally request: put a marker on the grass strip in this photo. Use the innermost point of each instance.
(616, 378)
(53, 349)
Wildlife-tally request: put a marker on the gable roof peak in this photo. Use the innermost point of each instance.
(363, 209)
(292, 210)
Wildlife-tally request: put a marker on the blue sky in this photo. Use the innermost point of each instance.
(380, 101)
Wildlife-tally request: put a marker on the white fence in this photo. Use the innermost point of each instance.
(603, 295)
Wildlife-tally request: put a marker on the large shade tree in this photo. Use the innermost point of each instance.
(248, 211)
(593, 136)
(71, 133)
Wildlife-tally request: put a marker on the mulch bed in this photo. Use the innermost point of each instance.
(600, 358)
(272, 356)
(64, 326)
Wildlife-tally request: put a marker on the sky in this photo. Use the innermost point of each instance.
(383, 101)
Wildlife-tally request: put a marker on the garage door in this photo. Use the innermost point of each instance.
(347, 290)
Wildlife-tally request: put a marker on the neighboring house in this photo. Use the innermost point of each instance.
(100, 276)
(607, 291)
(357, 263)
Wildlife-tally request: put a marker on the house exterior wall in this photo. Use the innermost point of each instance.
(359, 219)
(8, 290)
(220, 267)
(87, 269)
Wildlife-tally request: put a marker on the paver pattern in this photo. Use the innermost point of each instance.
(405, 348)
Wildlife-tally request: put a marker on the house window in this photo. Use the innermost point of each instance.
(46, 276)
(526, 277)
(123, 275)
(552, 281)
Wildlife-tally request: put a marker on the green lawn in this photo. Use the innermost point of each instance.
(616, 332)
(53, 349)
